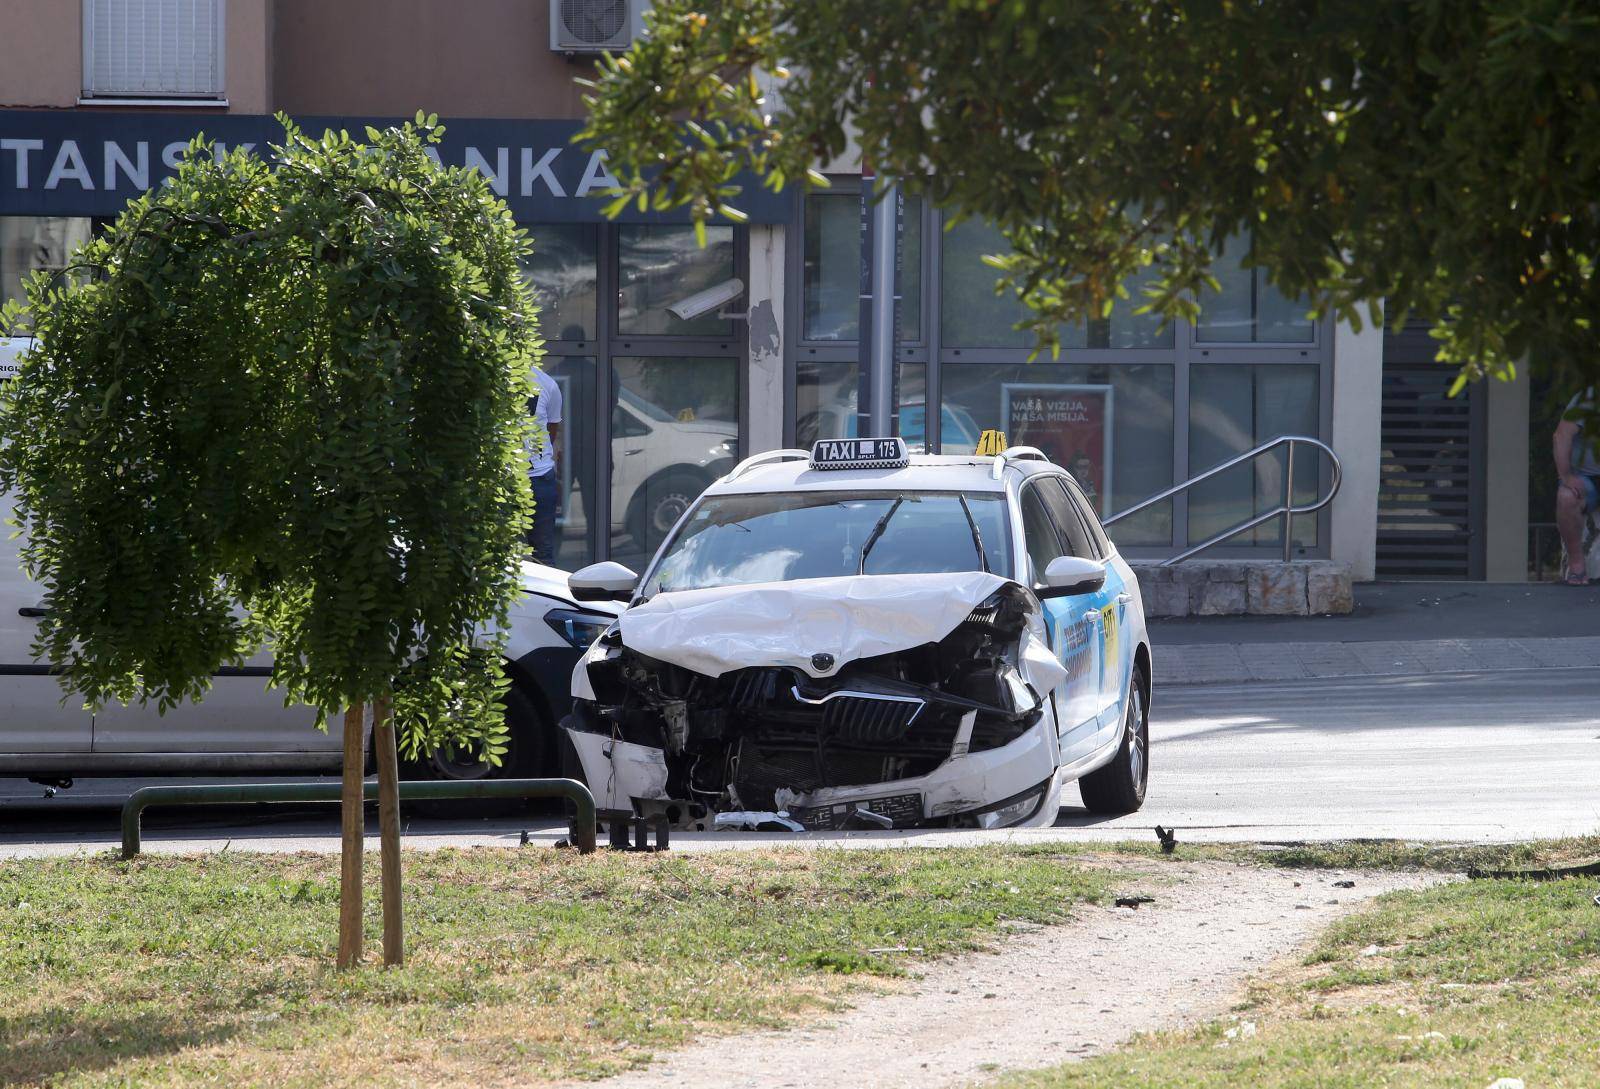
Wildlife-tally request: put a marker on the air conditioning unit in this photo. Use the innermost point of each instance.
(595, 26)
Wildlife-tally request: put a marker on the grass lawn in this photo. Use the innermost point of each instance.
(1456, 986)
(533, 963)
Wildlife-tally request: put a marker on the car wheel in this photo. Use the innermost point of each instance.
(1119, 786)
(662, 503)
(529, 754)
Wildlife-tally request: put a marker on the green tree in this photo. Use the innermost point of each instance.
(1442, 156)
(286, 407)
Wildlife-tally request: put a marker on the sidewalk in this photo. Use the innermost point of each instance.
(1397, 628)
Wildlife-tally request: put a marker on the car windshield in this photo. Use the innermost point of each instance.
(731, 540)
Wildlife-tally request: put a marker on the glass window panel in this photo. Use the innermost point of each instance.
(1110, 425)
(1234, 407)
(36, 243)
(657, 266)
(575, 458)
(1125, 329)
(1280, 319)
(1246, 308)
(832, 292)
(1086, 511)
(562, 270)
(973, 316)
(1069, 527)
(674, 429)
(1039, 535)
(826, 396)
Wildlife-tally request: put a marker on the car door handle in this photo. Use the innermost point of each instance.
(1123, 599)
(1092, 615)
(33, 612)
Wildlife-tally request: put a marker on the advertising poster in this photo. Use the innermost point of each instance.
(1071, 424)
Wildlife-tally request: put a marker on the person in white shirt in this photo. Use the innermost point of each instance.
(544, 462)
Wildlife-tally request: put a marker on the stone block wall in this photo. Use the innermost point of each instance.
(1245, 588)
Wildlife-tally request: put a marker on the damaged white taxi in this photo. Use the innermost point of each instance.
(855, 638)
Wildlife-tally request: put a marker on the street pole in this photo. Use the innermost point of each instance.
(879, 324)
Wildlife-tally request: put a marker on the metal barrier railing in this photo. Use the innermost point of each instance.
(1285, 510)
(583, 825)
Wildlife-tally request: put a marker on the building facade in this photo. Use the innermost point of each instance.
(98, 98)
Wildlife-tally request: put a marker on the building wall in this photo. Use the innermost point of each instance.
(765, 393)
(41, 65)
(1356, 433)
(41, 62)
(247, 67)
(491, 59)
(391, 58)
(1506, 512)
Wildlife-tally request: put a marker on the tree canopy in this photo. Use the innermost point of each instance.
(1442, 155)
(283, 402)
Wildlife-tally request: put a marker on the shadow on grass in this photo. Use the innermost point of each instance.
(42, 1047)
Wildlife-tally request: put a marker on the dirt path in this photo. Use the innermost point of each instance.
(1049, 994)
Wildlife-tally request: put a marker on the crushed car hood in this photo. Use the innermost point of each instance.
(724, 628)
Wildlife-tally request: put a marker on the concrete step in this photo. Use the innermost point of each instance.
(1245, 588)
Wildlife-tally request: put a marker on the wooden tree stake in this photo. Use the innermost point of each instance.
(394, 941)
(351, 846)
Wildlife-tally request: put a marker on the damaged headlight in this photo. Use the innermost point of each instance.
(578, 628)
(1006, 610)
(1013, 810)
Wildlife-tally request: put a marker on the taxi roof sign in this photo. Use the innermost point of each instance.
(859, 454)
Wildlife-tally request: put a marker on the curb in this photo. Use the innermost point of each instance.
(1241, 663)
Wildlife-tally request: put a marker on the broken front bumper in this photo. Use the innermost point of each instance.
(1011, 785)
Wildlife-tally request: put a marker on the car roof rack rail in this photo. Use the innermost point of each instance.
(766, 457)
(1018, 453)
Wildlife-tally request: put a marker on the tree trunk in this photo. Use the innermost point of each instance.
(394, 942)
(351, 846)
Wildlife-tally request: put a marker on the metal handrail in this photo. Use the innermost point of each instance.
(583, 825)
(1286, 510)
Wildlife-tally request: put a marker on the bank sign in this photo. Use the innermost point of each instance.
(90, 163)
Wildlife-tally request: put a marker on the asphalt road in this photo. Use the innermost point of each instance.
(1462, 757)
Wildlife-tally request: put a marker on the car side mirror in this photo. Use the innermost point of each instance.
(1069, 575)
(607, 581)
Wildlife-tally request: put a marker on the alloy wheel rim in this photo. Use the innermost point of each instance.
(1137, 739)
(447, 763)
(668, 511)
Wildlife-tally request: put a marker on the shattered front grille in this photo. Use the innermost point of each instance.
(868, 720)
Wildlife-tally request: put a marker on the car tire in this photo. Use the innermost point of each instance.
(530, 754)
(661, 502)
(1119, 787)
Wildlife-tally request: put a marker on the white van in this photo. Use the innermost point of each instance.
(242, 727)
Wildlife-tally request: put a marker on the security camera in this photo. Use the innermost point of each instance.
(703, 302)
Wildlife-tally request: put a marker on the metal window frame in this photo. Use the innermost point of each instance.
(92, 96)
(609, 343)
(1186, 351)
